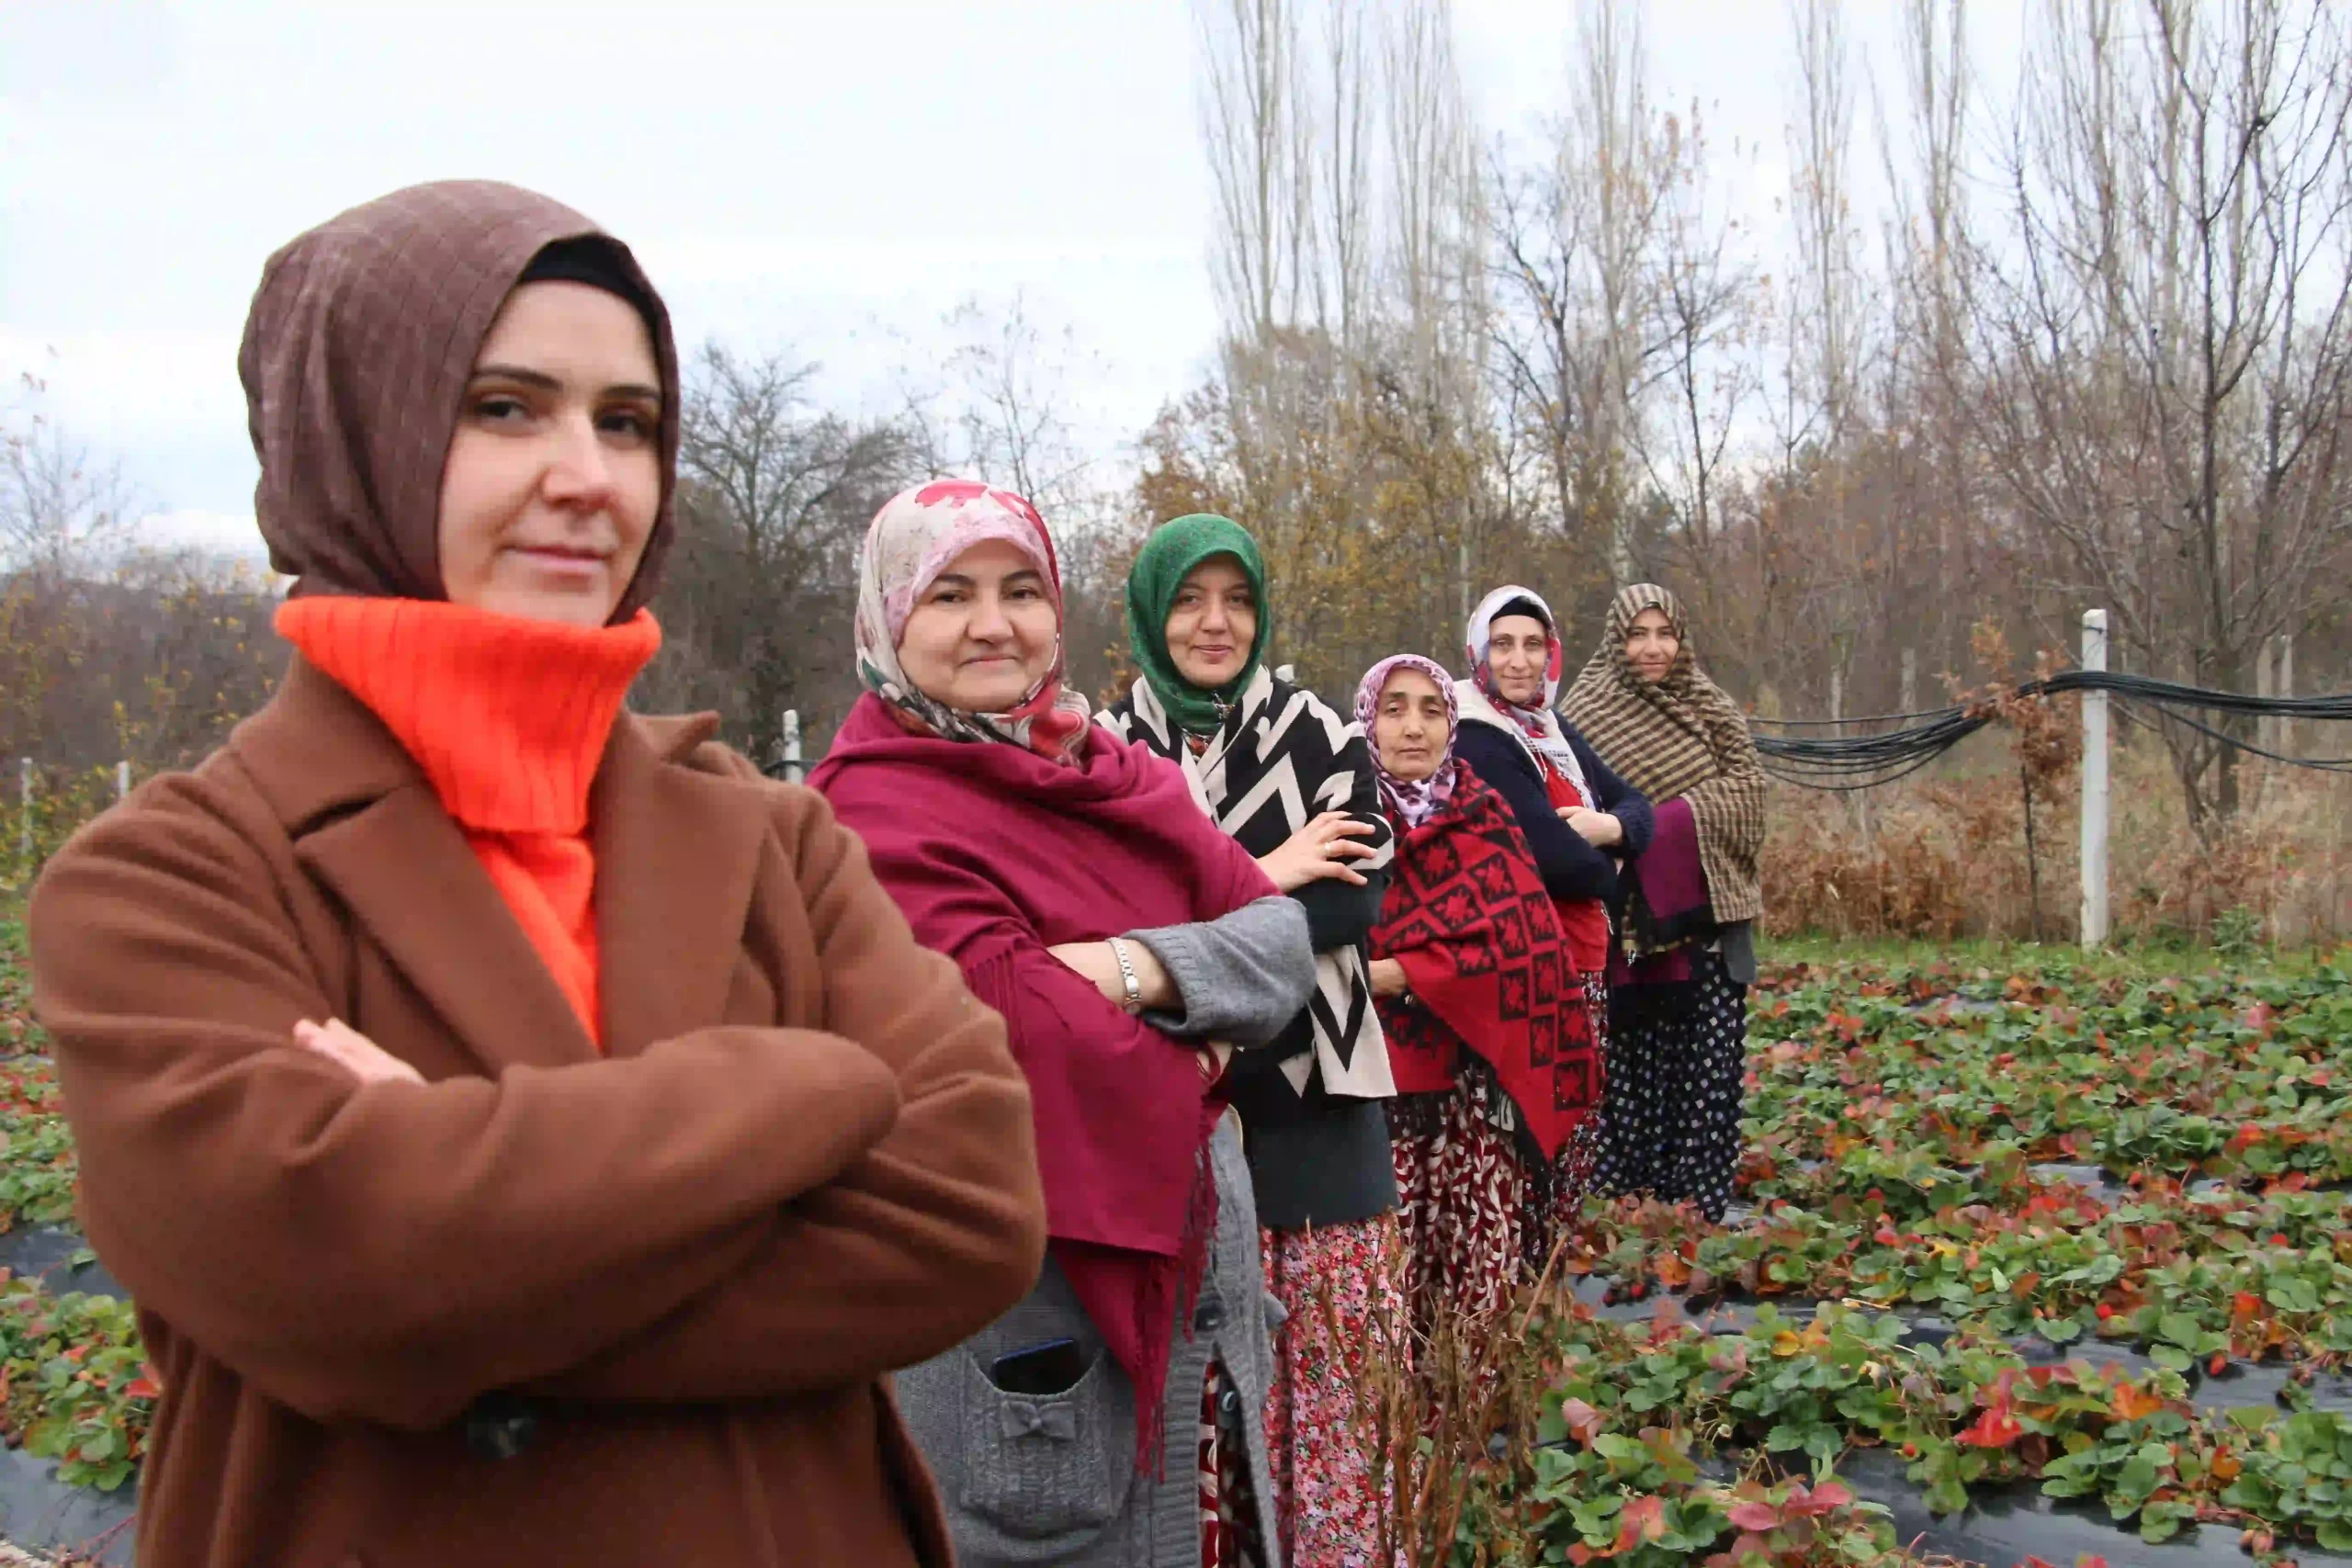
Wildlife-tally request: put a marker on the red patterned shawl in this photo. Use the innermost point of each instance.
(1467, 916)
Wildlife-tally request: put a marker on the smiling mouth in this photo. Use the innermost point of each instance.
(560, 555)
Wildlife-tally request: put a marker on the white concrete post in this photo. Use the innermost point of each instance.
(1910, 680)
(2094, 793)
(792, 769)
(122, 781)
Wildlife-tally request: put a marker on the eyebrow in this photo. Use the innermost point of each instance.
(959, 580)
(545, 382)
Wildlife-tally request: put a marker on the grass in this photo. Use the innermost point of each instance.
(2142, 958)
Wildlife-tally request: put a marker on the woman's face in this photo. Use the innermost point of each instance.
(553, 478)
(1410, 726)
(1213, 624)
(1651, 645)
(1519, 651)
(984, 633)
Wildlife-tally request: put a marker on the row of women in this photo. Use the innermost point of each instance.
(531, 1136)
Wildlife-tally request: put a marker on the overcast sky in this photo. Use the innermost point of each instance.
(825, 177)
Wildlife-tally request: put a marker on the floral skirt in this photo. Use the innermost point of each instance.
(1340, 1286)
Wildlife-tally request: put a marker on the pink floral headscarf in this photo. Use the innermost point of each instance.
(1413, 800)
(917, 535)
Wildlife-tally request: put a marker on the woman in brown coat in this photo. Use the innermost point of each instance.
(530, 1136)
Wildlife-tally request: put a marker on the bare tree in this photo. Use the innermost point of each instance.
(1001, 409)
(1260, 142)
(2168, 331)
(1825, 315)
(1429, 389)
(1343, 172)
(1925, 536)
(63, 509)
(1705, 295)
(1576, 261)
(774, 493)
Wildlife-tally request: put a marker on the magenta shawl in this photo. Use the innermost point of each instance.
(997, 853)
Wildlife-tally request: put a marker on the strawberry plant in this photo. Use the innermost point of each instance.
(37, 1170)
(75, 1386)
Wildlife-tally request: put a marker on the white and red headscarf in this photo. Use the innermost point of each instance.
(1538, 726)
(916, 537)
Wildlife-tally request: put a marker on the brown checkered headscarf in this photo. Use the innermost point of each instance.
(1680, 736)
(357, 349)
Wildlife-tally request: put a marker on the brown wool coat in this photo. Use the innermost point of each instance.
(807, 1160)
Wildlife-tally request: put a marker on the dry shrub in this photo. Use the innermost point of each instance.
(2285, 860)
(1944, 857)
(1933, 858)
(1820, 874)
(1451, 1409)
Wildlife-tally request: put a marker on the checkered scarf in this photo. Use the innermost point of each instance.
(1682, 736)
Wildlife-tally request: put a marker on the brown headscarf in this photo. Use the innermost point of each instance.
(358, 350)
(1682, 736)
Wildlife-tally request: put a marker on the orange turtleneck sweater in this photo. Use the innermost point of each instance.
(508, 719)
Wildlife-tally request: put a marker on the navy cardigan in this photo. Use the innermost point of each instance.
(1570, 867)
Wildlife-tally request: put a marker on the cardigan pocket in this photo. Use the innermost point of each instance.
(1041, 1466)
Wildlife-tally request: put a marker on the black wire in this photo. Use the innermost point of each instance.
(1904, 773)
(1847, 763)
(1866, 718)
(2325, 764)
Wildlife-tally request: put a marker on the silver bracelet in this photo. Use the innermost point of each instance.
(1127, 973)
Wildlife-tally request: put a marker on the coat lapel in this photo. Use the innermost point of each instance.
(367, 825)
(677, 852)
(410, 880)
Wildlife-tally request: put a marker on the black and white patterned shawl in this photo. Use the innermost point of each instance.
(1281, 758)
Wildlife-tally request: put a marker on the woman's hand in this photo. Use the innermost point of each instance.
(1096, 961)
(1319, 851)
(345, 1046)
(1387, 978)
(1597, 828)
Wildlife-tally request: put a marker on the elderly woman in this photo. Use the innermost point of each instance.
(1497, 1066)
(1679, 1012)
(1581, 820)
(1116, 1416)
(530, 1136)
(1293, 784)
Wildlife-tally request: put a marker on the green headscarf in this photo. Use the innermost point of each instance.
(1169, 556)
